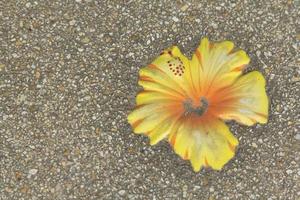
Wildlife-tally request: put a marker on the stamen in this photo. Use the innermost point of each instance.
(200, 110)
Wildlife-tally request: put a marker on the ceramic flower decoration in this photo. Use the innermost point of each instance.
(186, 101)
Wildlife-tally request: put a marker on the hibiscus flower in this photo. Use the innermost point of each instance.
(187, 101)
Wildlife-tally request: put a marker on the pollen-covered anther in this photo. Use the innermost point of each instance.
(176, 66)
(198, 110)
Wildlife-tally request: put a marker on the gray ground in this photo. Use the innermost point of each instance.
(68, 80)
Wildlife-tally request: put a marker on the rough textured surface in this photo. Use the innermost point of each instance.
(68, 79)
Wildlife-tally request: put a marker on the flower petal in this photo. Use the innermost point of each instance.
(162, 130)
(141, 112)
(169, 73)
(214, 60)
(245, 101)
(206, 144)
(148, 97)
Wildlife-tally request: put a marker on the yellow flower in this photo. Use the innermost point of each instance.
(186, 100)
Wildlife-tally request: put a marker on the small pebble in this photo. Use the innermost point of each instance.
(122, 192)
(254, 145)
(175, 19)
(32, 172)
(85, 40)
(184, 8)
(2, 67)
(72, 22)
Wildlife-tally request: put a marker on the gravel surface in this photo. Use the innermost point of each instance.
(68, 80)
